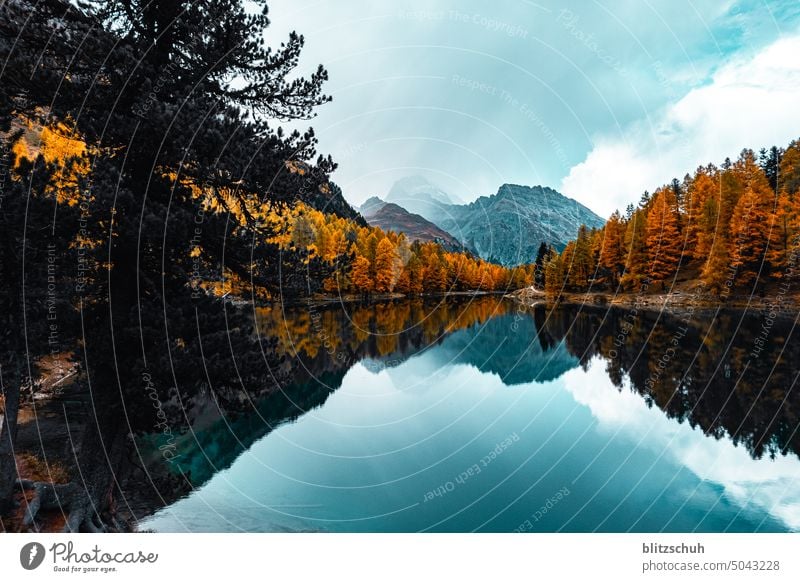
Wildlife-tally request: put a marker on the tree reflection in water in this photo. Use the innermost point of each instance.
(704, 371)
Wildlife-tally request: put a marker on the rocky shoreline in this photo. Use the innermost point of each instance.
(672, 302)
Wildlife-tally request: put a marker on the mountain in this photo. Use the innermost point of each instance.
(328, 197)
(371, 206)
(518, 362)
(389, 216)
(418, 195)
(508, 227)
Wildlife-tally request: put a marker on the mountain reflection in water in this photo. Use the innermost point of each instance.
(621, 390)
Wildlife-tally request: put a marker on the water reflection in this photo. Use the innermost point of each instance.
(718, 371)
(419, 371)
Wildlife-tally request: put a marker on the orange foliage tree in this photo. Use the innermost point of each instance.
(664, 243)
(729, 226)
(369, 260)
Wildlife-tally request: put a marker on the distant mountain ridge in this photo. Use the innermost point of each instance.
(506, 227)
(390, 216)
(371, 206)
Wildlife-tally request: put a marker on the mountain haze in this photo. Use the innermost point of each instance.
(419, 196)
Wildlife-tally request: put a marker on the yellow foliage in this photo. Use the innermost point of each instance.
(384, 261)
(296, 167)
(58, 145)
(364, 259)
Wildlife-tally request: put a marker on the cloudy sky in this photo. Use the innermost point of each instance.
(600, 99)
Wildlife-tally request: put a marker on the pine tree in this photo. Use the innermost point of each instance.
(770, 162)
(128, 72)
(541, 257)
(629, 211)
(679, 194)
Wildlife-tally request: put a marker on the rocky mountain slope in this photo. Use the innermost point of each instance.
(389, 216)
(508, 227)
(505, 228)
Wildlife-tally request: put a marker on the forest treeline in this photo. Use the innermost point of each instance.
(334, 253)
(365, 259)
(736, 226)
(710, 380)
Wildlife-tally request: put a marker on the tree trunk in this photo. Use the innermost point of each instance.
(87, 500)
(8, 435)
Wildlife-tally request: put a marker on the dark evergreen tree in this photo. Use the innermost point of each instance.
(770, 162)
(180, 159)
(541, 258)
(677, 190)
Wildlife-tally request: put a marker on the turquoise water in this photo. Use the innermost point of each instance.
(489, 428)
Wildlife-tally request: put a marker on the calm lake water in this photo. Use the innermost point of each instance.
(475, 416)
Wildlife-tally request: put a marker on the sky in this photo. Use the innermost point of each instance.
(600, 99)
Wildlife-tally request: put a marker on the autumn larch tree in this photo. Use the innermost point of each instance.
(553, 276)
(715, 273)
(700, 220)
(664, 243)
(790, 170)
(612, 250)
(567, 259)
(387, 266)
(730, 223)
(752, 222)
(636, 249)
(577, 260)
(361, 277)
(718, 270)
(781, 236)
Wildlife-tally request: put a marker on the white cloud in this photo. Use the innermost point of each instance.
(763, 483)
(749, 102)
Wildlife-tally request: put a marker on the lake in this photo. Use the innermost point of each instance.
(478, 414)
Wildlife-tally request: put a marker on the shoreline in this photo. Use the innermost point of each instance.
(675, 302)
(321, 300)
